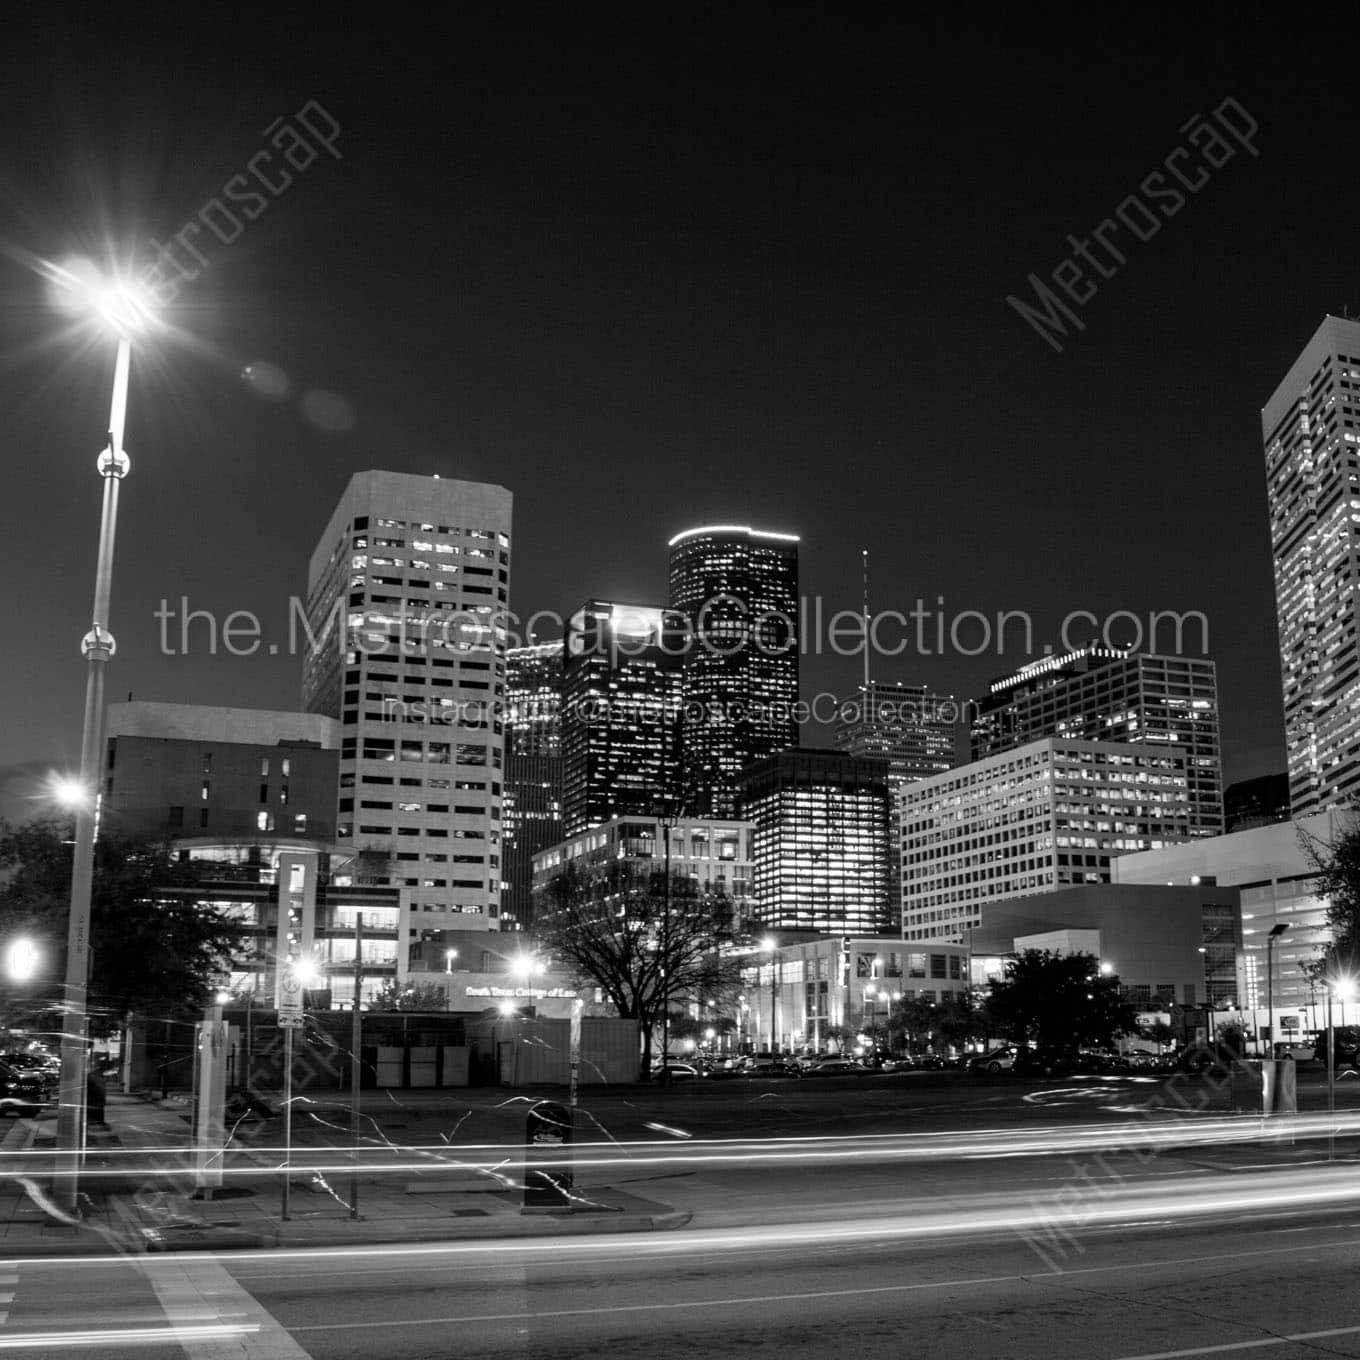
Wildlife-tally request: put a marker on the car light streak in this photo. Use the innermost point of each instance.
(174, 1335)
(974, 1145)
(1123, 1204)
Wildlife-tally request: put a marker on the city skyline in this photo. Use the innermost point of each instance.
(885, 406)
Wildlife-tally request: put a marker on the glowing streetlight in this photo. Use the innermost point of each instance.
(449, 956)
(772, 945)
(119, 308)
(22, 958)
(526, 967)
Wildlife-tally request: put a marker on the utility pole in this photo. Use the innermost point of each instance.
(355, 1064)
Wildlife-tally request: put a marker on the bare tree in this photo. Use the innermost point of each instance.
(643, 946)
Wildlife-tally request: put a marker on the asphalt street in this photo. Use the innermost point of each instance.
(1104, 1252)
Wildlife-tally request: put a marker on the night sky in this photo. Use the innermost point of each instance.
(734, 264)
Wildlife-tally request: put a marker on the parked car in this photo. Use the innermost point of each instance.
(998, 1060)
(22, 1092)
(901, 1063)
(771, 1067)
(1046, 1061)
(675, 1071)
(834, 1067)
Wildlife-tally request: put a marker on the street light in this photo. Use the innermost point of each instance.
(1275, 932)
(772, 945)
(125, 313)
(1341, 989)
(21, 959)
(449, 956)
(524, 966)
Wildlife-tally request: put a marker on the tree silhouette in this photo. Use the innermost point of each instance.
(617, 932)
(1059, 999)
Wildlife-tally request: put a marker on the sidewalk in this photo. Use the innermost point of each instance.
(160, 1212)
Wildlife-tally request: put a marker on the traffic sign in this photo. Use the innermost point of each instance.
(291, 1019)
(290, 990)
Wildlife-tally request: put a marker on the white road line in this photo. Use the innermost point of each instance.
(198, 1292)
(1245, 1345)
(863, 1291)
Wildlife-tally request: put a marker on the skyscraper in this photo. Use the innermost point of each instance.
(533, 772)
(914, 730)
(406, 606)
(620, 712)
(738, 587)
(1311, 429)
(820, 841)
(1103, 694)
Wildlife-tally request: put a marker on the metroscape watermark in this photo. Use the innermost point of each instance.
(1072, 1206)
(812, 630)
(1137, 218)
(603, 711)
(242, 190)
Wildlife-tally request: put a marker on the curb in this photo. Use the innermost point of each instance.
(361, 1235)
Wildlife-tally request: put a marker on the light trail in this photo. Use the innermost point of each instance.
(908, 1221)
(173, 1335)
(489, 1159)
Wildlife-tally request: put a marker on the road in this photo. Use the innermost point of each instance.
(1230, 1284)
(1105, 1251)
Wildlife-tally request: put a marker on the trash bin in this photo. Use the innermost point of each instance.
(547, 1154)
(95, 1097)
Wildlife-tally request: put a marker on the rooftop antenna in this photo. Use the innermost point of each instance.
(864, 554)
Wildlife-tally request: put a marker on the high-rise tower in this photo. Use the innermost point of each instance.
(738, 587)
(620, 712)
(406, 602)
(1311, 429)
(1098, 693)
(533, 772)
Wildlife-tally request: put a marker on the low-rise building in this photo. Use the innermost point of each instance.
(1272, 870)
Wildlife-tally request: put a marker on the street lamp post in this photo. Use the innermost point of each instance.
(97, 646)
(1275, 932)
(449, 956)
(772, 945)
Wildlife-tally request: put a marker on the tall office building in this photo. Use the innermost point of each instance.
(621, 677)
(1050, 814)
(1103, 694)
(820, 841)
(738, 587)
(915, 730)
(533, 772)
(406, 601)
(1311, 429)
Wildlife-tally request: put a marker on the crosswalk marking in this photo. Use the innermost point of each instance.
(8, 1284)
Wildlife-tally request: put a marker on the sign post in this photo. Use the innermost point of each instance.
(577, 1006)
(290, 1018)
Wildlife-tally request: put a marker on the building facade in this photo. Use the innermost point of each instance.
(1271, 870)
(738, 589)
(714, 854)
(176, 770)
(1311, 430)
(1103, 694)
(532, 811)
(621, 698)
(914, 729)
(299, 901)
(1050, 814)
(405, 647)
(797, 996)
(820, 841)
(1167, 944)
